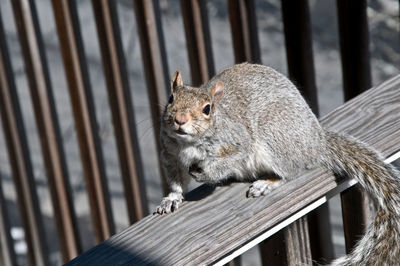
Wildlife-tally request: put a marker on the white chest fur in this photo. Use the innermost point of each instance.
(190, 154)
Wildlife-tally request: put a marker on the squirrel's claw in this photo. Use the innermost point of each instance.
(170, 203)
(262, 187)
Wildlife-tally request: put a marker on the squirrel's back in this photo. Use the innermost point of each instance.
(275, 114)
(255, 85)
(252, 89)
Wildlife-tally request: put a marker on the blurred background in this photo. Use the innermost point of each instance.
(383, 19)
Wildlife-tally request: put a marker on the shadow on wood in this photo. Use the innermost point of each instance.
(114, 250)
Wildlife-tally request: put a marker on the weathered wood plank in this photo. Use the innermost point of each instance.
(216, 221)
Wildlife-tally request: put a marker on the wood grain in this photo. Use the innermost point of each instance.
(215, 221)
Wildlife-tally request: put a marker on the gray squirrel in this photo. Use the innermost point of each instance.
(248, 121)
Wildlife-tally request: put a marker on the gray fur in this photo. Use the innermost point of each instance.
(261, 124)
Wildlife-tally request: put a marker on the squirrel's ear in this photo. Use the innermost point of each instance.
(217, 90)
(176, 80)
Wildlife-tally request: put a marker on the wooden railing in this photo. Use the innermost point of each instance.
(215, 224)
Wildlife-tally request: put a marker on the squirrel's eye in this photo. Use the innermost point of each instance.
(206, 109)
(171, 99)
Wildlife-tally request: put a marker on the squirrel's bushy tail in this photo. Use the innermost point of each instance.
(381, 243)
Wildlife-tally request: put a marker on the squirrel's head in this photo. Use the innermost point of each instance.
(189, 111)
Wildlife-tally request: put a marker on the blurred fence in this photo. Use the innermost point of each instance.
(354, 47)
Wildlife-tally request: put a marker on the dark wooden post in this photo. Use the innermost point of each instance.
(243, 20)
(154, 63)
(290, 246)
(7, 252)
(299, 51)
(198, 39)
(68, 30)
(21, 166)
(45, 114)
(297, 28)
(354, 47)
(121, 107)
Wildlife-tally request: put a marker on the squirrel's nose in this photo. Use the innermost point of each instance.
(181, 119)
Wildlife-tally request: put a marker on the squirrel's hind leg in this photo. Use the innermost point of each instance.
(262, 187)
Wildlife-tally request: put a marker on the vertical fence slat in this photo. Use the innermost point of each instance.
(7, 253)
(320, 237)
(273, 250)
(82, 100)
(198, 40)
(354, 46)
(121, 107)
(290, 246)
(235, 262)
(18, 154)
(297, 243)
(355, 215)
(46, 119)
(299, 52)
(356, 69)
(154, 65)
(243, 21)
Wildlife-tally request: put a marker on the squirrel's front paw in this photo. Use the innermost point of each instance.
(197, 173)
(170, 203)
(262, 187)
